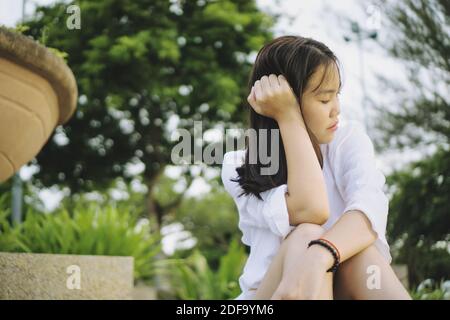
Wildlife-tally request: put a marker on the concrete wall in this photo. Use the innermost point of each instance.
(55, 276)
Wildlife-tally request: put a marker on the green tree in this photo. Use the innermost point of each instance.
(418, 36)
(138, 65)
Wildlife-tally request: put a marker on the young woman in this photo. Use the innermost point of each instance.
(316, 228)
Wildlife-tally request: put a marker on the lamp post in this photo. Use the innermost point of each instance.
(17, 187)
(358, 35)
(16, 199)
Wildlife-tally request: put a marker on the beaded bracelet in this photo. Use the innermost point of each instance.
(330, 247)
(334, 247)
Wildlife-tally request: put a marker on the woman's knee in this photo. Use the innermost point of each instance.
(360, 264)
(307, 231)
(357, 260)
(353, 275)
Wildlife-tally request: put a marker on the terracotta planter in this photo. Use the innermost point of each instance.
(37, 92)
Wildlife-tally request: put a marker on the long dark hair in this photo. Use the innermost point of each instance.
(296, 58)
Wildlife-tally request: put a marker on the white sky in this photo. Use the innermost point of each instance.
(312, 18)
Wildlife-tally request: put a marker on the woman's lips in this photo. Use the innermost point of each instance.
(334, 127)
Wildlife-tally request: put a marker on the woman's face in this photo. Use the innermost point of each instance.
(321, 107)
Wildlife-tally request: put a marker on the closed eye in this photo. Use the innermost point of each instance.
(326, 101)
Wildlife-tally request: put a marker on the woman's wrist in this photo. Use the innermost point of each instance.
(331, 248)
(291, 125)
(287, 117)
(321, 255)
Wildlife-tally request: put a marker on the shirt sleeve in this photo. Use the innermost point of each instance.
(358, 178)
(270, 213)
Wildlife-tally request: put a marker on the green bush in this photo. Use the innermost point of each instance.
(418, 217)
(431, 290)
(194, 279)
(213, 221)
(88, 230)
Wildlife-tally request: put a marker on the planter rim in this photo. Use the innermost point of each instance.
(64, 255)
(28, 53)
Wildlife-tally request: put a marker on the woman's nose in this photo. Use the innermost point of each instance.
(336, 110)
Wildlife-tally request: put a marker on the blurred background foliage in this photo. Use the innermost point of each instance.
(419, 221)
(140, 65)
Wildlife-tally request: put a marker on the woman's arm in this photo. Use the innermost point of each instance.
(307, 199)
(351, 234)
(303, 275)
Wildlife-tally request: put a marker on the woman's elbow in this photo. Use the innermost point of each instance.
(318, 216)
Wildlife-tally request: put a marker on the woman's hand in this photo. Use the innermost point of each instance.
(272, 96)
(304, 276)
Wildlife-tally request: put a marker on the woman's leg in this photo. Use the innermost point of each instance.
(368, 276)
(295, 243)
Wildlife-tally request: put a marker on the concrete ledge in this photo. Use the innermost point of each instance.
(54, 276)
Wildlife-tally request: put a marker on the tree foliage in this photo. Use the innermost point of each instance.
(418, 221)
(140, 65)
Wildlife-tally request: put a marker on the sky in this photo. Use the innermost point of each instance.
(322, 20)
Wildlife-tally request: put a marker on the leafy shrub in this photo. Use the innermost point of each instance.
(430, 290)
(88, 230)
(193, 277)
(213, 221)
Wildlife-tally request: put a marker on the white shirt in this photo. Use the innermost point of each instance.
(353, 182)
